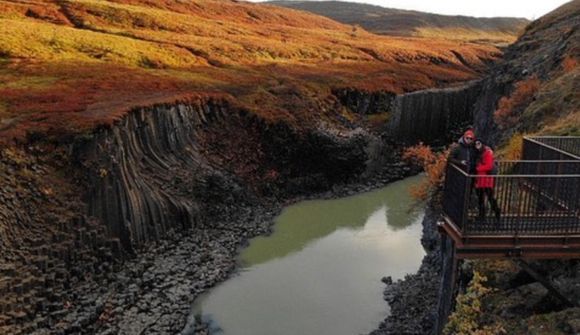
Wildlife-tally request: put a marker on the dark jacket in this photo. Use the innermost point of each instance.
(463, 152)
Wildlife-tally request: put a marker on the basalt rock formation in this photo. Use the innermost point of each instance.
(152, 171)
(163, 168)
(433, 116)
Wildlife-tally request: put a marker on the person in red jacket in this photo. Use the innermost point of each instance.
(484, 185)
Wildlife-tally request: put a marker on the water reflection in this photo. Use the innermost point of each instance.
(309, 220)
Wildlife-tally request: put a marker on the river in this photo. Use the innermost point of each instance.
(320, 271)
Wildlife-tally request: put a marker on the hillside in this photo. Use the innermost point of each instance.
(68, 66)
(398, 22)
(534, 90)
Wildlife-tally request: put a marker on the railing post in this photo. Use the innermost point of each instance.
(466, 202)
(575, 208)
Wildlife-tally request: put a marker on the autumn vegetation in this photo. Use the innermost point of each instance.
(69, 66)
(434, 164)
(465, 319)
(543, 99)
(538, 107)
(569, 63)
(510, 108)
(513, 149)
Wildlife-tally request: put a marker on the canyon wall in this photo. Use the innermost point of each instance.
(161, 167)
(139, 169)
(433, 116)
(69, 213)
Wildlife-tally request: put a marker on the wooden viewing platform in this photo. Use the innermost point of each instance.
(539, 201)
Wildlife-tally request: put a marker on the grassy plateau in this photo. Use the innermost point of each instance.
(69, 66)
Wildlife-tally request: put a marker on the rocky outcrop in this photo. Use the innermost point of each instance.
(433, 116)
(365, 103)
(165, 166)
(136, 171)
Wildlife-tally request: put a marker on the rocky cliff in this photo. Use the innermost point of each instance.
(434, 116)
(154, 170)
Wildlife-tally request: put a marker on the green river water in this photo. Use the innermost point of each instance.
(320, 271)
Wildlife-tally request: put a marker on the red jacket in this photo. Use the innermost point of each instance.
(483, 168)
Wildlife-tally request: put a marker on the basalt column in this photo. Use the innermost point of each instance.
(432, 115)
(142, 171)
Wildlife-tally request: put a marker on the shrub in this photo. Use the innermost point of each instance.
(434, 165)
(510, 108)
(464, 320)
(568, 64)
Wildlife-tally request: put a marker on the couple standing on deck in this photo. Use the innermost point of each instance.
(474, 157)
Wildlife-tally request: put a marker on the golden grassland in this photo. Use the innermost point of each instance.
(463, 34)
(67, 66)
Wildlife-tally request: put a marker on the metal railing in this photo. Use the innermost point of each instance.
(551, 148)
(533, 198)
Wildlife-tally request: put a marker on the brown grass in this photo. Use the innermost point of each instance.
(569, 63)
(463, 34)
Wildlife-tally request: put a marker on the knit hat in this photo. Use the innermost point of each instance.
(469, 133)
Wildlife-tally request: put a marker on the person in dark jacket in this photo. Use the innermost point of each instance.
(464, 154)
(484, 185)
